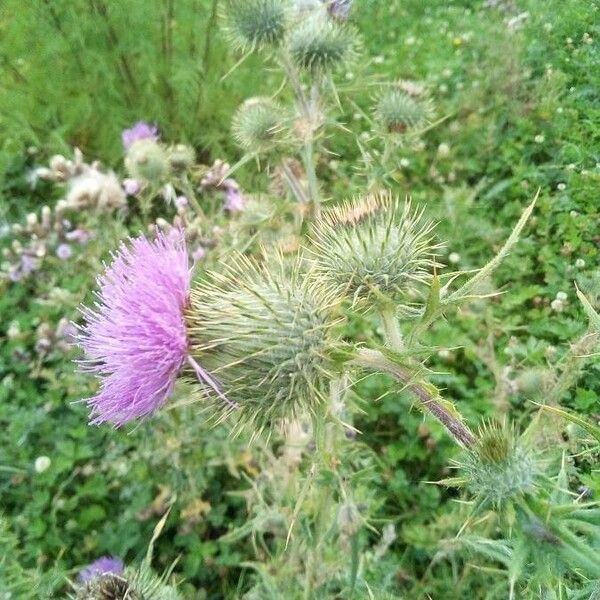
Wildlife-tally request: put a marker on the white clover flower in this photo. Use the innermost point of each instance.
(557, 305)
(454, 258)
(562, 296)
(580, 263)
(42, 463)
(539, 139)
(443, 150)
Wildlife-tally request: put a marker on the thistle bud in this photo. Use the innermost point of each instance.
(398, 112)
(256, 24)
(373, 250)
(181, 157)
(264, 333)
(147, 160)
(348, 519)
(259, 125)
(534, 383)
(322, 45)
(500, 466)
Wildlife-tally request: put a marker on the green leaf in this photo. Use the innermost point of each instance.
(591, 313)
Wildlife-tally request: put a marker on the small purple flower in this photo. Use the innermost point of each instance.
(80, 236)
(131, 186)
(64, 252)
(140, 131)
(134, 338)
(234, 201)
(102, 566)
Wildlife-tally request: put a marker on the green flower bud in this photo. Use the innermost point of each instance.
(322, 45)
(147, 161)
(255, 24)
(181, 157)
(264, 333)
(500, 466)
(534, 383)
(397, 112)
(349, 520)
(259, 125)
(373, 250)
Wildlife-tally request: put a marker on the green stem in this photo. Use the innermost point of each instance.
(391, 328)
(311, 175)
(376, 361)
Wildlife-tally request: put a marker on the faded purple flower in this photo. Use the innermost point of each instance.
(64, 252)
(181, 202)
(340, 9)
(131, 186)
(134, 337)
(140, 131)
(78, 235)
(234, 201)
(102, 566)
(198, 254)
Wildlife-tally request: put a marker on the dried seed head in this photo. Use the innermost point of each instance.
(264, 332)
(500, 466)
(256, 24)
(322, 45)
(398, 112)
(148, 161)
(259, 125)
(373, 250)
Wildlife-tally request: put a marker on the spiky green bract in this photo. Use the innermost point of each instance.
(373, 251)
(500, 467)
(264, 332)
(259, 125)
(147, 161)
(397, 112)
(256, 24)
(322, 45)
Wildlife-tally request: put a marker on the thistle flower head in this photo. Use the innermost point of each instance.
(259, 125)
(398, 112)
(255, 24)
(102, 566)
(134, 336)
(373, 250)
(147, 160)
(500, 466)
(322, 45)
(108, 587)
(140, 131)
(264, 332)
(181, 157)
(339, 9)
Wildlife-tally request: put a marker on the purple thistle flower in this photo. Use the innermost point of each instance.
(234, 201)
(131, 186)
(140, 131)
(135, 338)
(102, 566)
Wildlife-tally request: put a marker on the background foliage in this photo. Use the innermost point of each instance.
(520, 97)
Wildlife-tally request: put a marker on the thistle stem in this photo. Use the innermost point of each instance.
(311, 175)
(391, 328)
(376, 361)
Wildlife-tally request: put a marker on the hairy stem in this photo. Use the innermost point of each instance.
(391, 328)
(376, 361)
